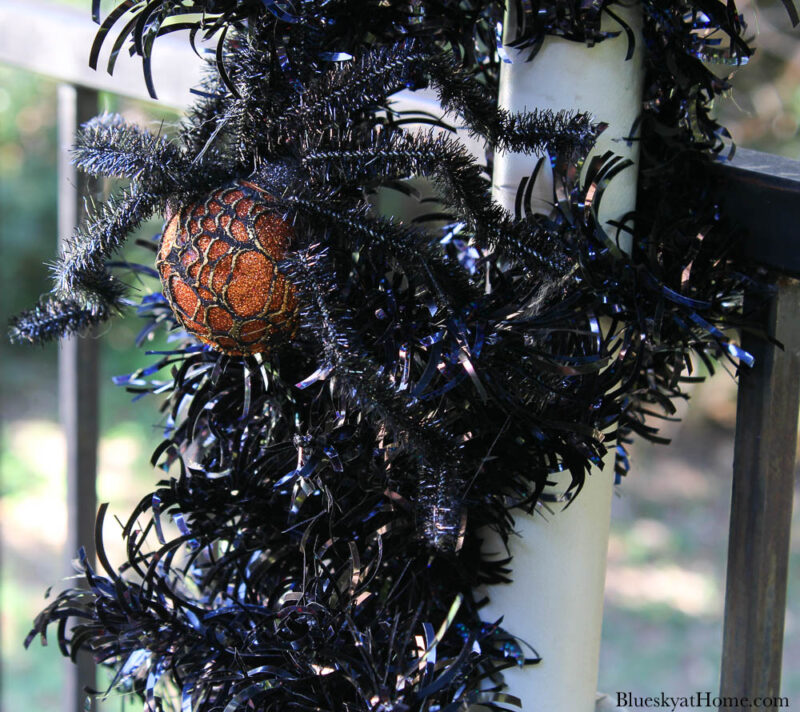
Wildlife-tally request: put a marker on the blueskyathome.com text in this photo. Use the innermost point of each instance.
(698, 700)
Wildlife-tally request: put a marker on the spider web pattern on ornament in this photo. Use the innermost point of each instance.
(218, 263)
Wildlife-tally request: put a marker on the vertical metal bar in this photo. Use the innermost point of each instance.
(761, 506)
(78, 377)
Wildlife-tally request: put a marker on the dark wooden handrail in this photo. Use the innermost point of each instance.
(761, 194)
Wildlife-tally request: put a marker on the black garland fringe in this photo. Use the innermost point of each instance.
(315, 543)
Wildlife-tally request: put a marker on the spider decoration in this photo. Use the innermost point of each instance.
(363, 395)
(315, 152)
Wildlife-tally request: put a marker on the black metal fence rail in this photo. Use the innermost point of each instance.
(763, 192)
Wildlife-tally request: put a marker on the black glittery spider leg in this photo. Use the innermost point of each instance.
(462, 182)
(85, 293)
(370, 80)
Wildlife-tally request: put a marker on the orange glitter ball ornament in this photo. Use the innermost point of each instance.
(219, 270)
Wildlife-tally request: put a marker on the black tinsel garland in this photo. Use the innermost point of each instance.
(315, 541)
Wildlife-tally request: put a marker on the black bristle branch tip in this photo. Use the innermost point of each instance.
(534, 130)
(83, 257)
(109, 146)
(52, 318)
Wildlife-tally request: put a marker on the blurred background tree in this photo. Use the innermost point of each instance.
(763, 109)
(665, 584)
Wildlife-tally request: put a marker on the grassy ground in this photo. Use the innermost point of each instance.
(667, 558)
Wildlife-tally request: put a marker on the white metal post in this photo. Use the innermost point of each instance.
(77, 380)
(556, 599)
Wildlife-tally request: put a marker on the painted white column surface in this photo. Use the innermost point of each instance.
(555, 602)
(569, 75)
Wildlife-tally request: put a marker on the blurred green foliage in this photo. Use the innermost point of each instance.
(28, 242)
(28, 209)
(31, 488)
(763, 109)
